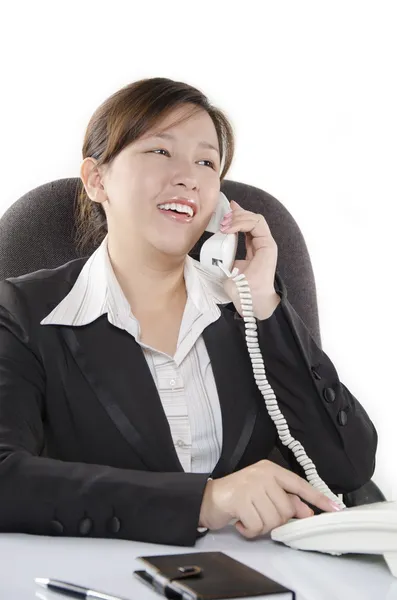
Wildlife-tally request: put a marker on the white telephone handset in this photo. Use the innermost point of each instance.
(221, 247)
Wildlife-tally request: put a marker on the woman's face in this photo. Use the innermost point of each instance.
(179, 165)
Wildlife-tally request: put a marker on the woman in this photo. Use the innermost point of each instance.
(128, 407)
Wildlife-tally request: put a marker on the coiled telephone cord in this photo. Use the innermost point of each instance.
(258, 367)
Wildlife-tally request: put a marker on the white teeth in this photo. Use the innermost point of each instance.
(181, 208)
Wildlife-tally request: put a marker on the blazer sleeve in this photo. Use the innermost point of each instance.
(321, 412)
(45, 496)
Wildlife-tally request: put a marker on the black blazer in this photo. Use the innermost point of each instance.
(85, 447)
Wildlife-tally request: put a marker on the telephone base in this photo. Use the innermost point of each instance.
(391, 561)
(365, 529)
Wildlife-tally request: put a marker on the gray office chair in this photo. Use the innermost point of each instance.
(38, 231)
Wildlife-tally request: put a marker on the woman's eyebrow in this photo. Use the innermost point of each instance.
(169, 136)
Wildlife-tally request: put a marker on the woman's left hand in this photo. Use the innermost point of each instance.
(260, 262)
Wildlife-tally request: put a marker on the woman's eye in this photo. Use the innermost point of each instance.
(210, 164)
(160, 150)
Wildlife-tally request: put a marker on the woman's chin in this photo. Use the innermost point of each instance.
(174, 249)
(173, 241)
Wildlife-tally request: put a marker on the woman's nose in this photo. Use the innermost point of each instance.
(184, 175)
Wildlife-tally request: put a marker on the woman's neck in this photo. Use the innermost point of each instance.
(150, 280)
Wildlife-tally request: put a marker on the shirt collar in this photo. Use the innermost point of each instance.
(97, 292)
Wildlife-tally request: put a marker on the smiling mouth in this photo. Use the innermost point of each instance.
(176, 208)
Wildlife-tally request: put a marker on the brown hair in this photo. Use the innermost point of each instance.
(123, 118)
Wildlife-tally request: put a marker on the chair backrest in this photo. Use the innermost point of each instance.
(38, 232)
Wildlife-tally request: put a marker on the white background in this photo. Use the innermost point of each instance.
(310, 88)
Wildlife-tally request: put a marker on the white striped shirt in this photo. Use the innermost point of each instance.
(185, 382)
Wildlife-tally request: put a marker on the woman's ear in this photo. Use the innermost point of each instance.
(92, 180)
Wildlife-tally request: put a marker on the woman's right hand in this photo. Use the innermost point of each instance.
(261, 497)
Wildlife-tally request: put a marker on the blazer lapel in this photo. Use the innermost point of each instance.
(236, 387)
(115, 367)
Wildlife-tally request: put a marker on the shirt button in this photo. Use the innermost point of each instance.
(180, 443)
(172, 382)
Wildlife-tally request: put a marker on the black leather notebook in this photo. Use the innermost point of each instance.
(207, 576)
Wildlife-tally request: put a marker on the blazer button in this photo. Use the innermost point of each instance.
(56, 527)
(114, 525)
(314, 373)
(342, 417)
(85, 526)
(329, 395)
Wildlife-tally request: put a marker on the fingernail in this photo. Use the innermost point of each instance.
(227, 216)
(335, 506)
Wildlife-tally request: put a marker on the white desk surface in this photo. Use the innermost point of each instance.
(107, 565)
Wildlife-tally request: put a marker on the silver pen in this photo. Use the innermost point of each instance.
(72, 590)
